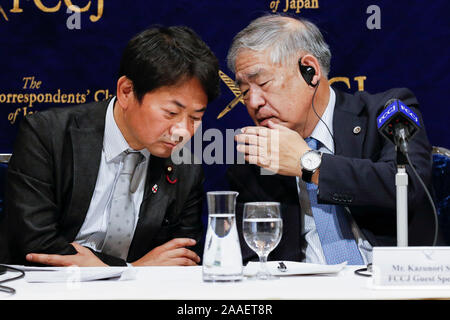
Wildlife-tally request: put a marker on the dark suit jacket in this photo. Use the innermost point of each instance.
(52, 176)
(361, 175)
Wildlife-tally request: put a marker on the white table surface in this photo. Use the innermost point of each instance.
(185, 283)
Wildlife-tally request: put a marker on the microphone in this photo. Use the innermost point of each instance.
(398, 123)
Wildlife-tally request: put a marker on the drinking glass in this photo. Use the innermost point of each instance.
(262, 228)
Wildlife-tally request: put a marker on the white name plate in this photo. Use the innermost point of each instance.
(411, 267)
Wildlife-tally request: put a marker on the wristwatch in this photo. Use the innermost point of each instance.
(310, 162)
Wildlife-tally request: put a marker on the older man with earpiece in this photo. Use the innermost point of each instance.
(333, 173)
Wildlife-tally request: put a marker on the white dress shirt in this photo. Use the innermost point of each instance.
(93, 230)
(313, 248)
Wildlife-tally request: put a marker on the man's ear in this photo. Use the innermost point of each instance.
(310, 60)
(125, 93)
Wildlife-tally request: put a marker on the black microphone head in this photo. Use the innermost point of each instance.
(394, 115)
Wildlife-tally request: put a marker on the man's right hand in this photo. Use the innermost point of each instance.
(171, 253)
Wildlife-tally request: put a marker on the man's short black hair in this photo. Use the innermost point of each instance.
(165, 56)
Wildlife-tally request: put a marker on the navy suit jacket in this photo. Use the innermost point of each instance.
(51, 179)
(361, 175)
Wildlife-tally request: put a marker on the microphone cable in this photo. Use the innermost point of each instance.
(9, 289)
(430, 199)
(362, 271)
(314, 109)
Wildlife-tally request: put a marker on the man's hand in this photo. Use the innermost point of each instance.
(83, 258)
(171, 253)
(276, 148)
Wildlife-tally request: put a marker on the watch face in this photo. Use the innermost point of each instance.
(311, 160)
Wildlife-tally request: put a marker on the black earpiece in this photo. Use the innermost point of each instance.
(307, 73)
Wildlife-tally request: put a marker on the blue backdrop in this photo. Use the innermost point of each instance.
(55, 57)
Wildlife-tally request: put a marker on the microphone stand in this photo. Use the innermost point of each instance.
(401, 183)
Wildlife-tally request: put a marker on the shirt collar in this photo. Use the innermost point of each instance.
(320, 132)
(114, 144)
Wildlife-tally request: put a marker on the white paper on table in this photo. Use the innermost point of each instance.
(294, 268)
(76, 274)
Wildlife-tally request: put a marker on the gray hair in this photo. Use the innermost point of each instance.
(285, 37)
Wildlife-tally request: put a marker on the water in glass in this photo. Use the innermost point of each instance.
(262, 228)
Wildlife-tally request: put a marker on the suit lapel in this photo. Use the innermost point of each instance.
(87, 143)
(154, 204)
(348, 117)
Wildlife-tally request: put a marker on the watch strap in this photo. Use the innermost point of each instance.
(307, 175)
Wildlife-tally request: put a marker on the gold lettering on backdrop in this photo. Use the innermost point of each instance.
(359, 80)
(31, 97)
(296, 5)
(69, 4)
(99, 12)
(30, 83)
(16, 8)
(340, 79)
(44, 6)
(100, 95)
